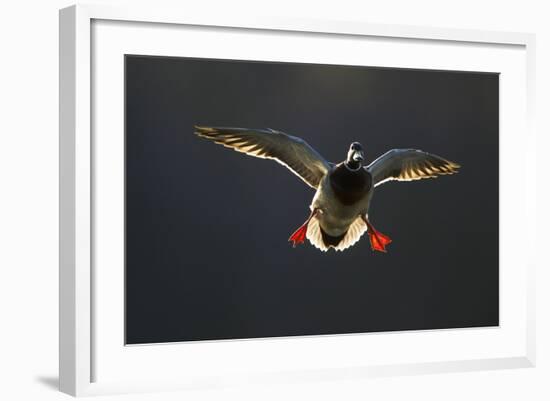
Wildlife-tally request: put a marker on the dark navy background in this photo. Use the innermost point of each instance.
(207, 255)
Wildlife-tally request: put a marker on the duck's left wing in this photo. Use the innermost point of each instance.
(409, 165)
(292, 152)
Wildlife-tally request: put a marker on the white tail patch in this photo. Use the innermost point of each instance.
(355, 231)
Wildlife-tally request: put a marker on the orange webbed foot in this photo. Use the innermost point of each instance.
(378, 241)
(298, 236)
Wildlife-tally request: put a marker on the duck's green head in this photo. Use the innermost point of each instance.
(355, 158)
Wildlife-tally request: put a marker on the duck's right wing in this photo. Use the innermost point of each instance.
(290, 151)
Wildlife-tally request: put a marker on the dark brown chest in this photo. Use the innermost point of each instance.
(350, 186)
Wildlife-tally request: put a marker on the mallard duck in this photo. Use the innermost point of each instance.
(339, 210)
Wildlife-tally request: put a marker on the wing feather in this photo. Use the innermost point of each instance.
(409, 165)
(290, 151)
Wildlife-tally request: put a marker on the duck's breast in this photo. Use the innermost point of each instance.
(349, 186)
(337, 215)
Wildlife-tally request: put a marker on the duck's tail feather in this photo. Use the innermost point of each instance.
(324, 242)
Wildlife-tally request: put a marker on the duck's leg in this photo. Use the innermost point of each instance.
(299, 236)
(378, 241)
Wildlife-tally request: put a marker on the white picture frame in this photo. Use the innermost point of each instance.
(78, 157)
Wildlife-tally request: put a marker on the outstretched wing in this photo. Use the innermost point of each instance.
(409, 165)
(290, 151)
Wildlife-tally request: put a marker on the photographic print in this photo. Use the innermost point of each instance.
(343, 199)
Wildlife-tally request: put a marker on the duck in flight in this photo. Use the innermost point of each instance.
(339, 210)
